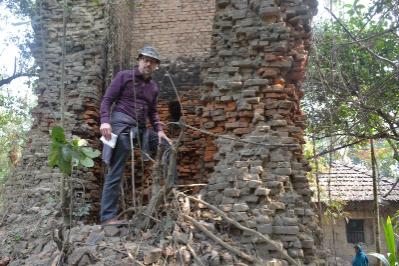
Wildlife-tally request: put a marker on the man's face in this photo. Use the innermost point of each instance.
(147, 65)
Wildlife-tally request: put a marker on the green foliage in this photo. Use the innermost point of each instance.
(17, 237)
(390, 240)
(20, 7)
(66, 155)
(392, 258)
(387, 163)
(15, 105)
(350, 94)
(15, 121)
(332, 208)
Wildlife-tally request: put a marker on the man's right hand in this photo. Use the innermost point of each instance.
(106, 130)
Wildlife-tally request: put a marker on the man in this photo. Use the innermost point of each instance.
(134, 95)
(360, 258)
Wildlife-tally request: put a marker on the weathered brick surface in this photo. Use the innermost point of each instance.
(32, 192)
(250, 88)
(253, 78)
(85, 35)
(177, 28)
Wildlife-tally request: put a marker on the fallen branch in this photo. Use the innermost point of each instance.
(195, 256)
(240, 226)
(217, 239)
(157, 191)
(126, 253)
(130, 209)
(193, 185)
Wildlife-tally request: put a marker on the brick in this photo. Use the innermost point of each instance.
(240, 207)
(285, 230)
(262, 191)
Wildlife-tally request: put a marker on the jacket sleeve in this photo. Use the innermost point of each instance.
(110, 96)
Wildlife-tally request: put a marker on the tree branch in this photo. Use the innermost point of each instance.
(386, 60)
(335, 149)
(8, 80)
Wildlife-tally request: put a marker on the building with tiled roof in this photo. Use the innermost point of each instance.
(354, 183)
(353, 186)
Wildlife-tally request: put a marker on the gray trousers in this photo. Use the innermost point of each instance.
(116, 168)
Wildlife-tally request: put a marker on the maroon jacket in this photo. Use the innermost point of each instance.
(140, 103)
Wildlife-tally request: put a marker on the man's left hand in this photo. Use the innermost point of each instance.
(162, 135)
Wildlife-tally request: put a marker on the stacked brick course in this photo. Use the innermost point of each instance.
(32, 192)
(177, 28)
(257, 58)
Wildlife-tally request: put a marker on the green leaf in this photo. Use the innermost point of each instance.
(390, 240)
(55, 153)
(67, 153)
(58, 135)
(75, 142)
(90, 152)
(87, 162)
(65, 167)
(76, 157)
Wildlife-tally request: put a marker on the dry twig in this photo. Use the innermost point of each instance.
(240, 226)
(195, 256)
(217, 239)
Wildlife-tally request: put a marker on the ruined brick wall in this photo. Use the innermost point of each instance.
(32, 192)
(99, 42)
(181, 31)
(249, 89)
(177, 28)
(253, 80)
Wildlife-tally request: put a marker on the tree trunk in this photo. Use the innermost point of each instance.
(375, 199)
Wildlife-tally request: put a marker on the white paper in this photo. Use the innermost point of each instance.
(110, 142)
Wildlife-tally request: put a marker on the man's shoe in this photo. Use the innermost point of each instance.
(113, 221)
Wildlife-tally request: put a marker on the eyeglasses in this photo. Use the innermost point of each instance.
(148, 60)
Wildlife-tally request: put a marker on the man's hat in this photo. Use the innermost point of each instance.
(150, 52)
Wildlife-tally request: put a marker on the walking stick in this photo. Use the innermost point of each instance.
(132, 165)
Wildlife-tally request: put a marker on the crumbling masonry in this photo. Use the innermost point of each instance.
(237, 65)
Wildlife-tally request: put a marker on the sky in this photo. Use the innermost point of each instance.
(11, 26)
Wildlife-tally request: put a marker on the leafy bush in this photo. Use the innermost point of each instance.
(66, 155)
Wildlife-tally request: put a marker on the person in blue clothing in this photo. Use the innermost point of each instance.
(360, 258)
